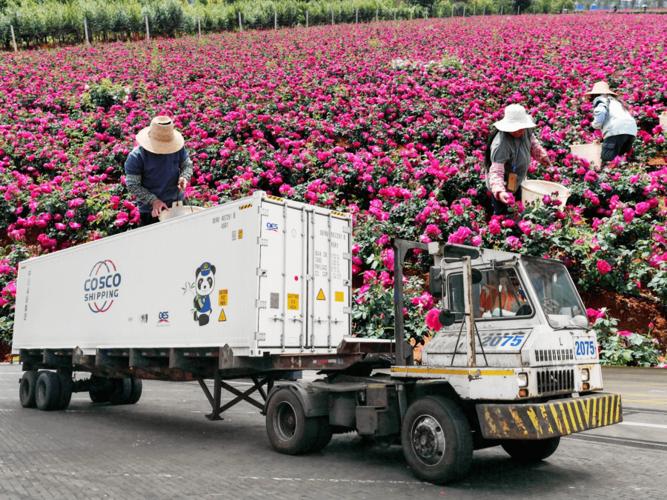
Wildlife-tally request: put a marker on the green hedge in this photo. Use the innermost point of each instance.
(52, 21)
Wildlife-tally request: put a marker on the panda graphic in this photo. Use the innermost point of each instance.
(204, 284)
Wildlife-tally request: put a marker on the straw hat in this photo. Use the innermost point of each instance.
(600, 88)
(516, 118)
(160, 137)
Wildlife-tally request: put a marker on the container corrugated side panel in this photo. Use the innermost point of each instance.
(158, 300)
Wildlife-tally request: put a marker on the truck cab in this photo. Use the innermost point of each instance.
(514, 364)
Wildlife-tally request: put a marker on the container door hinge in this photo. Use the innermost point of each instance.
(261, 272)
(262, 242)
(260, 304)
(347, 230)
(347, 256)
(264, 212)
(347, 310)
(260, 336)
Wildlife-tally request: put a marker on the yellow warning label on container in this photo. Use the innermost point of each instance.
(320, 295)
(223, 316)
(339, 296)
(293, 301)
(223, 296)
(240, 234)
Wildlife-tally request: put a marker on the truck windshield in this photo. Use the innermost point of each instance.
(556, 294)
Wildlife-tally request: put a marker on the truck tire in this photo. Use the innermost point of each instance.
(137, 389)
(530, 451)
(324, 434)
(100, 389)
(436, 440)
(27, 389)
(122, 391)
(65, 390)
(47, 391)
(287, 426)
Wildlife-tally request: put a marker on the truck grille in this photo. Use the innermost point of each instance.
(552, 381)
(542, 355)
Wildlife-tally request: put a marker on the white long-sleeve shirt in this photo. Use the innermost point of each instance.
(612, 118)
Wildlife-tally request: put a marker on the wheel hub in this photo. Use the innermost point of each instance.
(286, 421)
(428, 440)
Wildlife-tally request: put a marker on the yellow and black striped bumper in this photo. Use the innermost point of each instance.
(545, 420)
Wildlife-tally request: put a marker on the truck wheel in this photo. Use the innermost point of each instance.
(436, 440)
(137, 389)
(47, 391)
(529, 451)
(323, 434)
(122, 390)
(288, 428)
(65, 391)
(27, 389)
(100, 389)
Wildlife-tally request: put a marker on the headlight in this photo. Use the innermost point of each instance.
(522, 379)
(585, 375)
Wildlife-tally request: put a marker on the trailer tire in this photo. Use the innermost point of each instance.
(122, 391)
(436, 440)
(287, 426)
(137, 389)
(27, 389)
(66, 385)
(47, 391)
(531, 451)
(324, 434)
(100, 389)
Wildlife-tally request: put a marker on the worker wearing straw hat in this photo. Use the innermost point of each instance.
(611, 115)
(158, 170)
(511, 151)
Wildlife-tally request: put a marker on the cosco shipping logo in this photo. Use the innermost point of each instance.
(101, 287)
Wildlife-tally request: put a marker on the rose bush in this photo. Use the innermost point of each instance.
(388, 122)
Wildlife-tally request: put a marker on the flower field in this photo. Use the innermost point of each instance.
(387, 121)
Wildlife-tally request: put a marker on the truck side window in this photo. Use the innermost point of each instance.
(498, 295)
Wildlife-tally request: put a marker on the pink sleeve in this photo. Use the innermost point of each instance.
(497, 178)
(537, 151)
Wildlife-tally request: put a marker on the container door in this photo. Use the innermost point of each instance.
(282, 283)
(329, 288)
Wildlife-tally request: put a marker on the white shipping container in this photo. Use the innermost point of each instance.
(261, 275)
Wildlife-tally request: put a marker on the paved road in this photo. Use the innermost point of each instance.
(164, 448)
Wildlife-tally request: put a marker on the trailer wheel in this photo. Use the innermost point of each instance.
(47, 391)
(135, 393)
(289, 430)
(436, 440)
(27, 389)
(65, 391)
(100, 389)
(324, 434)
(530, 451)
(122, 391)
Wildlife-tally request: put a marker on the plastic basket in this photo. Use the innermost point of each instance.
(177, 210)
(591, 152)
(663, 121)
(532, 190)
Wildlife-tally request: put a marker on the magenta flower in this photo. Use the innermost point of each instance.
(603, 267)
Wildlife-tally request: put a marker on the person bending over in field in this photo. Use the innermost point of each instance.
(512, 145)
(158, 170)
(611, 115)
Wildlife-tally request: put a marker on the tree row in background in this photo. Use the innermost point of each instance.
(61, 22)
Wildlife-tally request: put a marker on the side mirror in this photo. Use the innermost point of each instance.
(435, 281)
(446, 318)
(476, 276)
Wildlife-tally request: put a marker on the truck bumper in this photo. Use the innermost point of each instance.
(550, 419)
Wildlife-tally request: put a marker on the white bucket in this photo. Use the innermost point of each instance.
(591, 152)
(532, 190)
(663, 122)
(177, 209)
